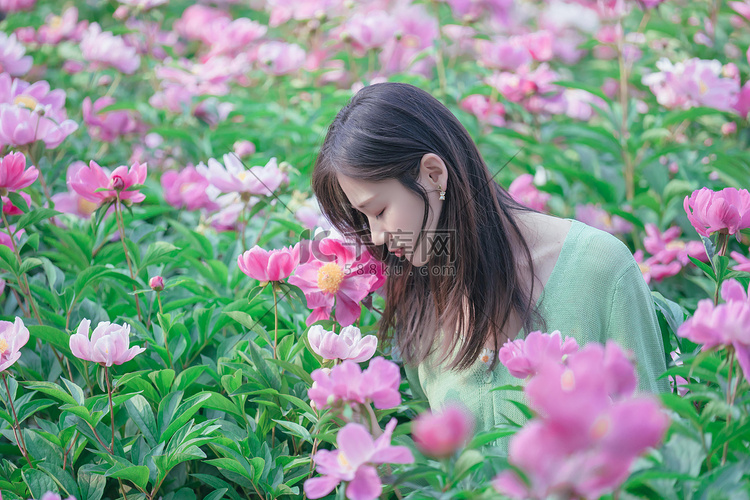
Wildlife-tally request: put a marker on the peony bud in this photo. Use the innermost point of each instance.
(156, 283)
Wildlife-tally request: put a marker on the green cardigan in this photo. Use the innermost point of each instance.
(596, 292)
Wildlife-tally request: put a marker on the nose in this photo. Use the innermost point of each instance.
(377, 235)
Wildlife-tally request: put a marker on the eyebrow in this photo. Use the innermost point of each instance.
(363, 205)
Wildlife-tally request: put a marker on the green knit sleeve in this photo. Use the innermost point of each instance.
(412, 375)
(633, 324)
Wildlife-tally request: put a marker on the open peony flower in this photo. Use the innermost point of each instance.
(12, 55)
(187, 188)
(103, 50)
(234, 178)
(349, 344)
(726, 211)
(440, 435)
(108, 126)
(13, 336)
(354, 462)
(347, 383)
(524, 357)
(523, 190)
(109, 343)
(13, 173)
(264, 266)
(88, 179)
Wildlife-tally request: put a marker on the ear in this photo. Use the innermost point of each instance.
(433, 171)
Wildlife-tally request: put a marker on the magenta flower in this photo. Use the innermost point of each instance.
(9, 6)
(13, 336)
(354, 461)
(103, 50)
(369, 31)
(723, 325)
(187, 188)
(726, 211)
(419, 30)
(265, 266)
(346, 383)
(235, 37)
(10, 209)
(234, 178)
(502, 54)
(156, 283)
(108, 126)
(88, 179)
(523, 190)
(243, 148)
(743, 263)
(440, 435)
(70, 202)
(58, 28)
(590, 428)
(109, 343)
(480, 106)
(336, 281)
(597, 217)
(280, 58)
(12, 58)
(199, 22)
(51, 495)
(13, 173)
(349, 344)
(524, 357)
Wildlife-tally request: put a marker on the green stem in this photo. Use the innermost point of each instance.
(111, 408)
(121, 226)
(166, 341)
(16, 426)
(729, 402)
(275, 320)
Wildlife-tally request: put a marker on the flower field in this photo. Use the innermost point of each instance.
(180, 321)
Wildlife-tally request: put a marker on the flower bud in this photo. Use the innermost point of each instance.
(156, 283)
(118, 183)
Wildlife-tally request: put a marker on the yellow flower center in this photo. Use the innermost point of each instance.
(672, 245)
(645, 268)
(330, 277)
(26, 101)
(703, 87)
(56, 22)
(568, 380)
(3, 346)
(600, 427)
(343, 460)
(241, 176)
(86, 207)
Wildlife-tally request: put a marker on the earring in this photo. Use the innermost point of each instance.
(442, 193)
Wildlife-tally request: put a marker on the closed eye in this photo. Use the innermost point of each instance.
(381, 213)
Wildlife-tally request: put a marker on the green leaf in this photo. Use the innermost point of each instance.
(137, 474)
(90, 485)
(63, 479)
(18, 201)
(35, 216)
(703, 267)
(468, 461)
(158, 253)
(75, 391)
(52, 389)
(296, 430)
(8, 259)
(143, 416)
(38, 482)
(491, 435)
(183, 413)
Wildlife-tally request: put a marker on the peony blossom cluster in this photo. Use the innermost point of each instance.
(349, 344)
(726, 324)
(354, 462)
(668, 253)
(590, 427)
(525, 357)
(88, 182)
(726, 211)
(346, 383)
(523, 190)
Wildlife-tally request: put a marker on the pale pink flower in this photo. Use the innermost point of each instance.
(441, 434)
(71, 202)
(280, 58)
(200, 22)
(336, 281)
(346, 383)
(539, 44)
(522, 190)
(232, 177)
(235, 37)
(13, 172)
(349, 344)
(10, 6)
(524, 357)
(265, 266)
(419, 30)
(726, 211)
(310, 216)
(187, 188)
(110, 125)
(283, 10)
(595, 216)
(525, 83)
(12, 58)
(89, 179)
(370, 30)
(13, 336)
(103, 49)
(578, 104)
(479, 105)
(743, 263)
(652, 268)
(65, 27)
(243, 148)
(109, 343)
(354, 462)
(728, 128)
(742, 105)
(143, 5)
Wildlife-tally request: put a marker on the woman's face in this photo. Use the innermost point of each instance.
(395, 213)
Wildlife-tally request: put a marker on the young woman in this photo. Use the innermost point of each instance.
(469, 268)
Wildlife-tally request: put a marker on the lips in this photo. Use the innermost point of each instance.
(398, 252)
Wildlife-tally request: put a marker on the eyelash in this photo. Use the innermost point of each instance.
(381, 213)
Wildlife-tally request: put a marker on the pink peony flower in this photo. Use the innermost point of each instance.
(51, 495)
(103, 50)
(280, 58)
(354, 462)
(502, 54)
(264, 266)
(743, 263)
(652, 269)
(336, 280)
(107, 126)
(58, 28)
(13, 173)
(725, 324)
(234, 178)
(590, 428)
(524, 357)
(10, 209)
(187, 188)
(419, 30)
(12, 58)
(479, 106)
(595, 216)
(109, 343)
(440, 435)
(369, 30)
(9, 6)
(71, 202)
(349, 344)
(199, 22)
(522, 190)
(89, 179)
(244, 148)
(346, 383)
(235, 37)
(726, 211)
(13, 336)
